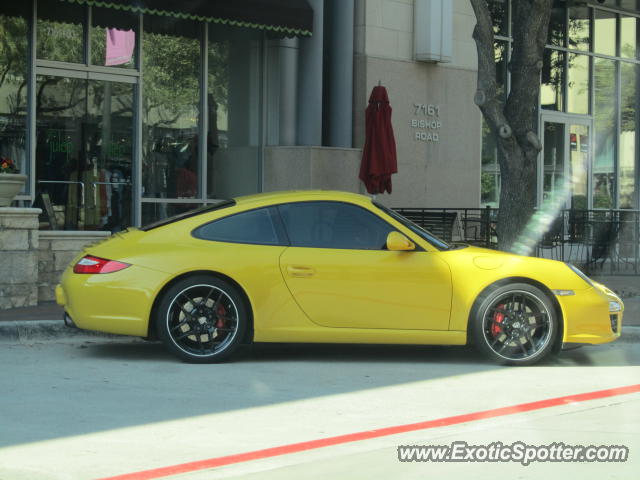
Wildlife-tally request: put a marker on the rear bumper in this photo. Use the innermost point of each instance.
(118, 302)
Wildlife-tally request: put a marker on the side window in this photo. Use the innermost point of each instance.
(333, 225)
(254, 226)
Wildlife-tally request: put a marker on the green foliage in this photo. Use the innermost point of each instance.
(579, 202)
(13, 61)
(171, 77)
(60, 41)
(602, 200)
(488, 188)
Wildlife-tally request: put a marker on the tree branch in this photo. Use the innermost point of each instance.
(486, 93)
(529, 39)
(5, 73)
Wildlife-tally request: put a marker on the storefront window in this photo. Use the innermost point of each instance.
(553, 75)
(557, 24)
(490, 181)
(604, 181)
(60, 32)
(170, 112)
(604, 33)
(579, 28)
(554, 162)
(499, 16)
(84, 153)
(578, 84)
(501, 58)
(233, 102)
(628, 37)
(113, 38)
(629, 123)
(13, 87)
(152, 212)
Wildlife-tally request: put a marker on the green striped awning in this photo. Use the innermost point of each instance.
(288, 17)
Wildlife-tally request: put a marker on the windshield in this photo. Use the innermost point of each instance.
(417, 229)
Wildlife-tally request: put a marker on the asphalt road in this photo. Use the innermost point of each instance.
(95, 408)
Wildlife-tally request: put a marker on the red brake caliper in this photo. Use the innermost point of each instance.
(497, 319)
(220, 311)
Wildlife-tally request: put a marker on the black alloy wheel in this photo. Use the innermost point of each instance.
(202, 319)
(515, 324)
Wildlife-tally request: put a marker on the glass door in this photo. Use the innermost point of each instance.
(565, 162)
(84, 152)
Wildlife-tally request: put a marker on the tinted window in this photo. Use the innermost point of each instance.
(255, 226)
(334, 225)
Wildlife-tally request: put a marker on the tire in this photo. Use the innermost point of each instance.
(515, 324)
(202, 319)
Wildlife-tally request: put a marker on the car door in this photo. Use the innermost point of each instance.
(341, 275)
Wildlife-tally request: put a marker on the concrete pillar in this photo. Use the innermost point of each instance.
(18, 257)
(309, 104)
(340, 114)
(244, 92)
(288, 90)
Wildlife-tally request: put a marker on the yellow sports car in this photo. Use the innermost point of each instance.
(327, 267)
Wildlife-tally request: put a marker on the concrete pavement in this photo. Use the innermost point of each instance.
(88, 409)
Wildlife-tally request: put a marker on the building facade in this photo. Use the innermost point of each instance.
(588, 116)
(123, 112)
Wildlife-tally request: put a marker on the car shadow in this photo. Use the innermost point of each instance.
(139, 350)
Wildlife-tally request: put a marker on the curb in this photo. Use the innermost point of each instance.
(26, 331)
(630, 334)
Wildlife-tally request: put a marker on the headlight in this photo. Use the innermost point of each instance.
(614, 306)
(579, 272)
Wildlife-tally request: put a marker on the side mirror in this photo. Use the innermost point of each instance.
(397, 242)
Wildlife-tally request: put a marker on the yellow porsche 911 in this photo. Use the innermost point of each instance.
(327, 267)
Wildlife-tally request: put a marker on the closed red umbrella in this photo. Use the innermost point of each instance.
(379, 160)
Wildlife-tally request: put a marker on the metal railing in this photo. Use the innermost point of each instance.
(598, 241)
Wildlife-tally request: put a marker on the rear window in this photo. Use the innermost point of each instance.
(191, 213)
(252, 227)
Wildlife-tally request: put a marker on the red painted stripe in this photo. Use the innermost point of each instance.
(366, 435)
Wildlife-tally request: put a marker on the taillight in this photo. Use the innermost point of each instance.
(91, 264)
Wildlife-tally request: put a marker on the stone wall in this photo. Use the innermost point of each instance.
(32, 261)
(57, 250)
(18, 257)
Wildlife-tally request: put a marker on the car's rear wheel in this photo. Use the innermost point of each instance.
(515, 324)
(202, 319)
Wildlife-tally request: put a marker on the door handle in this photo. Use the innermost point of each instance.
(300, 271)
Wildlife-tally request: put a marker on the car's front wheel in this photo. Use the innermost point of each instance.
(515, 324)
(202, 319)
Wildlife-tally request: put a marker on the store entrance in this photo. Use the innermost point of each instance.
(565, 162)
(84, 151)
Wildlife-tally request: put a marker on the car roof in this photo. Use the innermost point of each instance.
(300, 195)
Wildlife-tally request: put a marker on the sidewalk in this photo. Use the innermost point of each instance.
(44, 311)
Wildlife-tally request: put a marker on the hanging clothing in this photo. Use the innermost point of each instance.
(120, 45)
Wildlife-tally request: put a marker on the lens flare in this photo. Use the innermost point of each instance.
(541, 221)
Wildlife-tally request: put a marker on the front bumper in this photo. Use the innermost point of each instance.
(588, 318)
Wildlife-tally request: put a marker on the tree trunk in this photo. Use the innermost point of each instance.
(515, 123)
